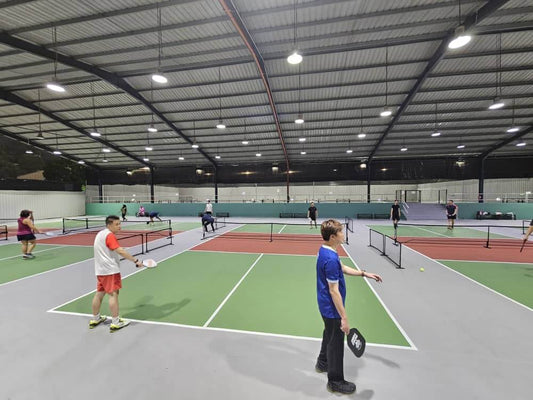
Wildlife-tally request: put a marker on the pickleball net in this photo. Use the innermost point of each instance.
(267, 231)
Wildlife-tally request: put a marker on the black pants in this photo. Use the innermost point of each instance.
(332, 350)
(206, 224)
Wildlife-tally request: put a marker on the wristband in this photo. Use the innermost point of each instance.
(136, 261)
(362, 273)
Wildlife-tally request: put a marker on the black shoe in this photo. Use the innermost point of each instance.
(321, 366)
(343, 387)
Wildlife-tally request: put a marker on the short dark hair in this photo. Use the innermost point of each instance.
(330, 227)
(25, 213)
(109, 220)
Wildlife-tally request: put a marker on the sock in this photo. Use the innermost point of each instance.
(115, 320)
(96, 317)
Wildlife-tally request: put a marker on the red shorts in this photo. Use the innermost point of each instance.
(108, 283)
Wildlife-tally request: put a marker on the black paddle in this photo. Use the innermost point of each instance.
(356, 342)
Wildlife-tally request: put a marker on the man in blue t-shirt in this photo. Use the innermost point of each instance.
(207, 220)
(331, 294)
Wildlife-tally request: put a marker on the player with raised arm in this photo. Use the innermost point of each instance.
(331, 295)
(107, 253)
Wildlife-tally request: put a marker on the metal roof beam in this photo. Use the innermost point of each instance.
(47, 149)
(107, 76)
(12, 98)
(470, 21)
(233, 14)
(505, 142)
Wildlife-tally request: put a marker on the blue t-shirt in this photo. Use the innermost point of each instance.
(450, 209)
(328, 269)
(206, 218)
(154, 214)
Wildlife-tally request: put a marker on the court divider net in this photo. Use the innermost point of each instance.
(270, 231)
(387, 246)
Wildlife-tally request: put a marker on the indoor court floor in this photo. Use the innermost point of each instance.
(234, 316)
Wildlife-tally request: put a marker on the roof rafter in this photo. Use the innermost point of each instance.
(470, 21)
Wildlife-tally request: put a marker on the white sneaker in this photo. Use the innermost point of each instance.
(121, 324)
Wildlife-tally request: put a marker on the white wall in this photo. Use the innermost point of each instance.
(43, 204)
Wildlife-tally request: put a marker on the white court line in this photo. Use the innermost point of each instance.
(283, 227)
(483, 261)
(124, 277)
(246, 252)
(44, 272)
(20, 255)
(427, 230)
(472, 280)
(255, 333)
(413, 347)
(232, 291)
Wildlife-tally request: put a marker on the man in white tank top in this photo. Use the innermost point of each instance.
(107, 253)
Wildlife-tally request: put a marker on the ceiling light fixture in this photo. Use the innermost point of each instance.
(106, 150)
(513, 128)
(435, 123)
(258, 154)
(349, 151)
(217, 157)
(40, 133)
(299, 119)
(361, 135)
(303, 153)
(55, 86)
(461, 146)
(158, 76)
(56, 151)
(302, 139)
(497, 103)
(387, 112)
(181, 158)
(521, 144)
(245, 142)
(435, 134)
(146, 159)
(81, 162)
(151, 127)
(403, 149)
(95, 134)
(194, 144)
(363, 165)
(461, 38)
(148, 148)
(220, 124)
(295, 57)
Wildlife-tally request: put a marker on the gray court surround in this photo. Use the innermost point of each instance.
(471, 344)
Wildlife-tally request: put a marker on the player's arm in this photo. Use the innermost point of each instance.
(337, 301)
(456, 209)
(124, 254)
(31, 225)
(355, 272)
(529, 232)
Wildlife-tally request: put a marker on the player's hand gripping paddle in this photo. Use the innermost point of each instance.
(356, 342)
(149, 263)
(523, 244)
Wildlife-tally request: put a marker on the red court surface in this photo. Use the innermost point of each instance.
(500, 251)
(260, 243)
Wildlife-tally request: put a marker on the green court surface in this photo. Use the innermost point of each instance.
(278, 296)
(513, 280)
(277, 228)
(47, 257)
(435, 231)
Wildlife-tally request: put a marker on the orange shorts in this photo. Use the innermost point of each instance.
(108, 283)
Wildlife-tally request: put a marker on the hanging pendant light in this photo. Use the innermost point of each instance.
(54, 85)
(158, 75)
(295, 58)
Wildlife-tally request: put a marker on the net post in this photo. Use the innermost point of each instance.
(86, 223)
(383, 251)
(347, 241)
(271, 229)
(400, 258)
(63, 220)
(488, 237)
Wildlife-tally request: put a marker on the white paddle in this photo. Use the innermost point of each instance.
(149, 263)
